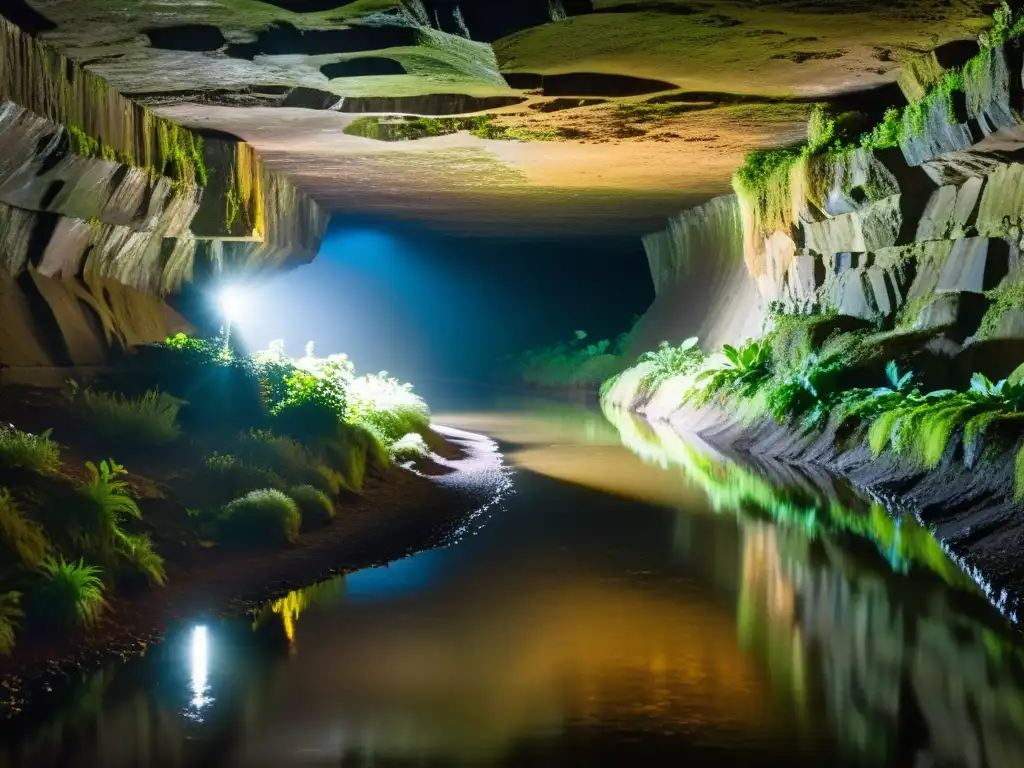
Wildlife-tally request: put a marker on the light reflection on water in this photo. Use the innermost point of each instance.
(731, 616)
(199, 657)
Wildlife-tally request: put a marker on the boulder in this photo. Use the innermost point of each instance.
(957, 314)
(875, 226)
(950, 211)
(974, 264)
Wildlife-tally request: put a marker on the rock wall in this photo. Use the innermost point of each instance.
(107, 211)
(702, 287)
(924, 239)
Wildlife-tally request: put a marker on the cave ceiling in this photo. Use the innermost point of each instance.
(608, 114)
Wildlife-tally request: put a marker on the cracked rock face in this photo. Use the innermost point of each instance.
(623, 112)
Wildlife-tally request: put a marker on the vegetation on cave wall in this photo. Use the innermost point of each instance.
(397, 128)
(100, 121)
(775, 185)
(841, 383)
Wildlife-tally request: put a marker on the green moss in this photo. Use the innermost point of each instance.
(888, 134)
(414, 128)
(82, 143)
(232, 206)
(1018, 475)
(1004, 27)
(1004, 297)
(911, 311)
(179, 153)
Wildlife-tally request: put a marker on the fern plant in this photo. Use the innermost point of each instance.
(109, 492)
(22, 541)
(68, 594)
(808, 392)
(742, 369)
(139, 555)
(10, 617)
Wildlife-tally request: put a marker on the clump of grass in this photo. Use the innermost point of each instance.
(264, 517)
(410, 448)
(314, 505)
(22, 450)
(150, 420)
(386, 407)
(21, 540)
(670, 360)
(138, 553)
(288, 459)
(67, 595)
(353, 450)
(225, 477)
(10, 617)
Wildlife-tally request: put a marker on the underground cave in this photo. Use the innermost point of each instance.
(562, 382)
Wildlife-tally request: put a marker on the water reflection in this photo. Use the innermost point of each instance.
(736, 620)
(200, 659)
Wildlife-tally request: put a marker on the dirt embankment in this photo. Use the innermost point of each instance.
(969, 505)
(399, 512)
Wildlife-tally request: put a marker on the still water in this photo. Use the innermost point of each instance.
(638, 600)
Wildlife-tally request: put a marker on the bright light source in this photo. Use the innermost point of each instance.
(232, 304)
(200, 661)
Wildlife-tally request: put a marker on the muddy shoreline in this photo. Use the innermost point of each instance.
(400, 513)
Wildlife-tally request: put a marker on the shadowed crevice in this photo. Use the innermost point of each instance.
(434, 104)
(367, 66)
(186, 37)
(23, 15)
(282, 39)
(587, 84)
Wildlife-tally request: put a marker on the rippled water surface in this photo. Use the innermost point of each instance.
(638, 600)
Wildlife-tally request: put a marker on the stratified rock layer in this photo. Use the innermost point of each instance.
(107, 210)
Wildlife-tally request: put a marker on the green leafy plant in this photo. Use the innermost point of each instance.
(138, 553)
(742, 368)
(151, 419)
(315, 396)
(22, 450)
(106, 505)
(314, 505)
(807, 392)
(922, 425)
(110, 492)
(387, 408)
(67, 595)
(668, 360)
(888, 134)
(21, 540)
(264, 516)
(10, 618)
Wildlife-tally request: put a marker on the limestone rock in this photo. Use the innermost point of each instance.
(957, 314)
(975, 264)
(878, 225)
